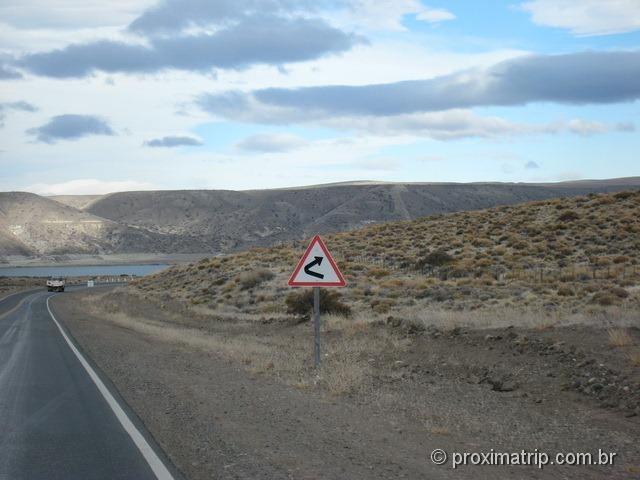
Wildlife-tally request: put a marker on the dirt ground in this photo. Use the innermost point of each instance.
(241, 399)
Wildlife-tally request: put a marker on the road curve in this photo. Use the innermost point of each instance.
(58, 417)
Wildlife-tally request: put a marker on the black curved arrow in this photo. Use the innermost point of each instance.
(307, 267)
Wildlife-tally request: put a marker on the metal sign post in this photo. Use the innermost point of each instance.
(316, 324)
(313, 271)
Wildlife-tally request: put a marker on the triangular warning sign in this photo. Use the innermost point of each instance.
(317, 268)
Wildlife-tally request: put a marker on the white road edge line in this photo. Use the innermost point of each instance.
(157, 466)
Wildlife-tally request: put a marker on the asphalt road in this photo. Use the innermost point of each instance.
(59, 417)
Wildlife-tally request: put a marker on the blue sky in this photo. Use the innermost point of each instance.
(239, 94)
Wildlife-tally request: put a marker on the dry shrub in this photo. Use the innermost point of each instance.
(565, 291)
(619, 292)
(393, 283)
(382, 305)
(437, 258)
(568, 216)
(634, 358)
(624, 195)
(301, 303)
(619, 337)
(377, 272)
(247, 280)
(603, 298)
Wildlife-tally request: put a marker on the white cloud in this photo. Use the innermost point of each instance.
(388, 14)
(446, 125)
(88, 186)
(449, 124)
(434, 15)
(459, 123)
(586, 17)
(588, 128)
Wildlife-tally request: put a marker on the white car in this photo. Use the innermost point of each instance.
(55, 284)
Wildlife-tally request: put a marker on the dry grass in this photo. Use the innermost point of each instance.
(634, 358)
(341, 373)
(544, 325)
(501, 317)
(248, 348)
(619, 337)
(356, 351)
(346, 347)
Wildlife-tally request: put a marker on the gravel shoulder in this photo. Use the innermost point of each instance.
(223, 414)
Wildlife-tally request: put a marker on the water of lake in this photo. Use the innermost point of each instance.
(82, 270)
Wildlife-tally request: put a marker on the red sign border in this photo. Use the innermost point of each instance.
(340, 283)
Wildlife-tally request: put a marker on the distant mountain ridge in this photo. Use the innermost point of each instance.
(213, 221)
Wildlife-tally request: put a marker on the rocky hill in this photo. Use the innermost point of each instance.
(228, 220)
(35, 225)
(562, 254)
(214, 221)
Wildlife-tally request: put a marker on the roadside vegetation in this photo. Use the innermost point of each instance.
(525, 315)
(535, 267)
(526, 275)
(9, 285)
(550, 259)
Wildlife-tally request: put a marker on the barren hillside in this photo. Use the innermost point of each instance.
(34, 225)
(560, 254)
(229, 220)
(217, 221)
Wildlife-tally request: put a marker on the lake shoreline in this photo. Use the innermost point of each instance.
(18, 261)
(83, 271)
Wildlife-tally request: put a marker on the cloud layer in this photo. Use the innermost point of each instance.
(440, 107)
(259, 39)
(174, 141)
(70, 127)
(176, 15)
(579, 78)
(460, 123)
